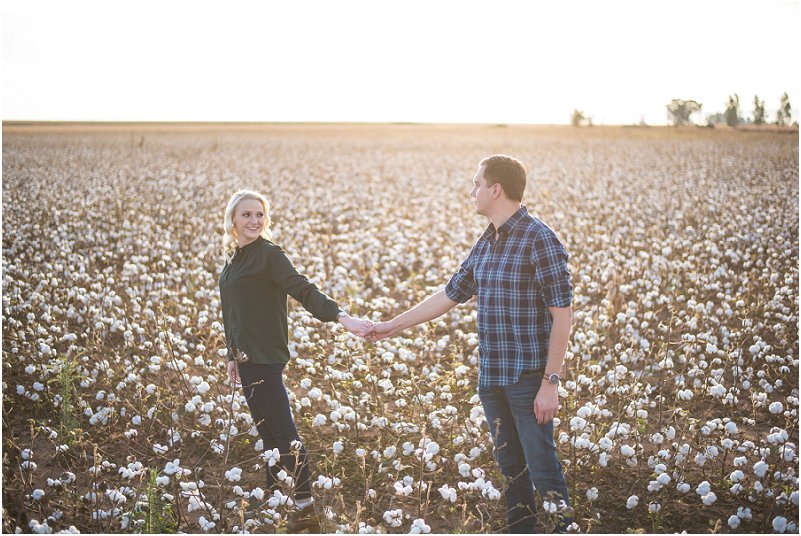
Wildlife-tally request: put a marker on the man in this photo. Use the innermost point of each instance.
(518, 270)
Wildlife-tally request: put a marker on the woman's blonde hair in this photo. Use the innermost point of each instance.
(229, 232)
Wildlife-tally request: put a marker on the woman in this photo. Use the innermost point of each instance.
(254, 284)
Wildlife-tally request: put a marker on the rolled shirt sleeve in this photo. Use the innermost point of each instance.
(462, 285)
(549, 258)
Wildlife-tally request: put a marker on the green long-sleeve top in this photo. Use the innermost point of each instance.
(253, 291)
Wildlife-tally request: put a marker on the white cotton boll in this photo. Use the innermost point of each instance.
(315, 393)
(605, 443)
(627, 451)
(737, 476)
(703, 488)
(203, 388)
(162, 480)
(577, 424)
(731, 428)
(592, 494)
(683, 487)
(37, 494)
(234, 474)
(172, 467)
(419, 527)
(448, 493)
(744, 513)
(663, 479)
(734, 521)
(390, 452)
(338, 447)
(709, 498)
(780, 524)
(632, 502)
(760, 468)
(464, 469)
(394, 518)
(584, 412)
(776, 408)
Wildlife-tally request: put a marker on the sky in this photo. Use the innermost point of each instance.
(499, 61)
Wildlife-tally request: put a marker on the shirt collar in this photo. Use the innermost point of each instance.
(506, 226)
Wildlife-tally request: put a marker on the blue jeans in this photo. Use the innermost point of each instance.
(525, 451)
(269, 405)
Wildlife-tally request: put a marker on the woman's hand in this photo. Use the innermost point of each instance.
(357, 326)
(233, 373)
(382, 330)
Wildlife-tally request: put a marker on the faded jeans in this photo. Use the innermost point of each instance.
(525, 451)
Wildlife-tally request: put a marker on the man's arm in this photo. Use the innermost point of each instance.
(432, 307)
(547, 402)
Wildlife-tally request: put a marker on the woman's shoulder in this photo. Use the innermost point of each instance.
(268, 247)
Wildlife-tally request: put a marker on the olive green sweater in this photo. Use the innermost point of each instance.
(253, 291)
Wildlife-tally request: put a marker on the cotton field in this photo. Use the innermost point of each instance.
(680, 409)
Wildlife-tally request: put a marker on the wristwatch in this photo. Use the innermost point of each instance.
(554, 379)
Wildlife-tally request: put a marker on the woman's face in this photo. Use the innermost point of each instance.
(249, 220)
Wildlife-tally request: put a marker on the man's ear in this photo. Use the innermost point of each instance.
(496, 193)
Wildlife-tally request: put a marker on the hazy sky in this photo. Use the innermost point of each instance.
(497, 61)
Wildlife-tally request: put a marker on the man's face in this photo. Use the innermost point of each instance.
(483, 193)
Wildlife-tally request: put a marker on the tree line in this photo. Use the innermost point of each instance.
(679, 112)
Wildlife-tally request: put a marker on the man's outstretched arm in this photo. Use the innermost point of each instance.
(432, 307)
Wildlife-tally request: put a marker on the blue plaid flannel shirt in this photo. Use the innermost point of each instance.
(516, 278)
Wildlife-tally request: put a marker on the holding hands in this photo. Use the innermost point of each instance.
(357, 326)
(367, 329)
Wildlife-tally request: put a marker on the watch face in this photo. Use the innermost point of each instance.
(554, 379)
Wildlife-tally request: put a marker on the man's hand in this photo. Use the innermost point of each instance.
(357, 326)
(547, 402)
(233, 373)
(381, 330)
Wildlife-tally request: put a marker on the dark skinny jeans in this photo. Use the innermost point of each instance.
(269, 405)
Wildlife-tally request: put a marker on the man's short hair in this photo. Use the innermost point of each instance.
(509, 172)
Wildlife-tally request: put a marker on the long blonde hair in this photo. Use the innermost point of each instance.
(229, 232)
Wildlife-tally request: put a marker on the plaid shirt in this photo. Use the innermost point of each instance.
(516, 277)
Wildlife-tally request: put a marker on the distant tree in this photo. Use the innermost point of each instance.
(759, 111)
(732, 113)
(785, 113)
(577, 118)
(715, 119)
(679, 111)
